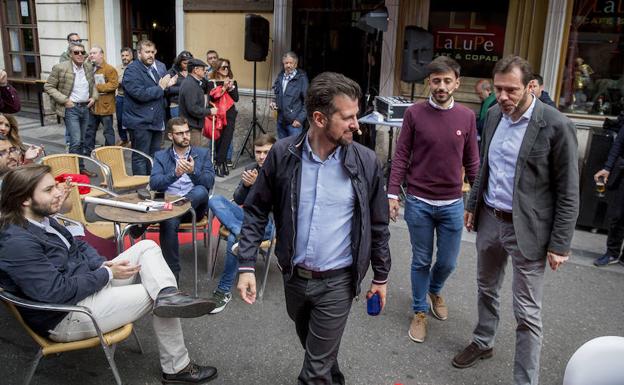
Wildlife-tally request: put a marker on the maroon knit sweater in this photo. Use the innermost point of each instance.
(432, 148)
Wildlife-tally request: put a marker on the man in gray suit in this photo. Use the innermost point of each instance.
(525, 202)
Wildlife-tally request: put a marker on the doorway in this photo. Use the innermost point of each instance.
(326, 37)
(153, 20)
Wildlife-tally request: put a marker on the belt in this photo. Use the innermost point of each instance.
(80, 103)
(310, 274)
(500, 214)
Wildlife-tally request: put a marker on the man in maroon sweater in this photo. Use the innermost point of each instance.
(438, 138)
(9, 100)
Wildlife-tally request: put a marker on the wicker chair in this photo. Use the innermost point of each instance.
(113, 157)
(69, 164)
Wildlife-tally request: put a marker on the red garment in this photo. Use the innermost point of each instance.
(222, 103)
(76, 178)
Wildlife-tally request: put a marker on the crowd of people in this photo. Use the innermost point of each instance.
(322, 195)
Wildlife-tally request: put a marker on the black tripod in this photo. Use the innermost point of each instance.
(252, 126)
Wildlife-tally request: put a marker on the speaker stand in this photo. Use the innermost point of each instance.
(252, 125)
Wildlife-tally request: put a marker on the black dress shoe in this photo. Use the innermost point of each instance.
(136, 231)
(226, 170)
(177, 304)
(88, 173)
(219, 171)
(192, 374)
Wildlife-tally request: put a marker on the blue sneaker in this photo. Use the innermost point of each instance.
(605, 260)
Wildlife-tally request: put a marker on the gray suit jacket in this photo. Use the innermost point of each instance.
(546, 186)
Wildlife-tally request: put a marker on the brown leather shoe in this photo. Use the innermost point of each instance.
(438, 307)
(469, 356)
(418, 328)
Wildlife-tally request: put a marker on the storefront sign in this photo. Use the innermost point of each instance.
(472, 33)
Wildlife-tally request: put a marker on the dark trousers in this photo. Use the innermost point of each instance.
(119, 102)
(169, 243)
(320, 308)
(94, 124)
(222, 144)
(615, 236)
(147, 141)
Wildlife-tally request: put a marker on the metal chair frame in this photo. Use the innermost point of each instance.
(109, 350)
(264, 251)
(110, 181)
(106, 172)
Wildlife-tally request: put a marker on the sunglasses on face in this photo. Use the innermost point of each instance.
(76, 41)
(10, 150)
(225, 67)
(79, 52)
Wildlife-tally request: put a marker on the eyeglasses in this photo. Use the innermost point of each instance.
(79, 52)
(10, 150)
(76, 41)
(182, 133)
(225, 67)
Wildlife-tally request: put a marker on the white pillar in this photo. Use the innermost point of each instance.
(553, 39)
(388, 50)
(112, 31)
(179, 21)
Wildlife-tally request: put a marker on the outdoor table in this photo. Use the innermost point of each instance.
(132, 217)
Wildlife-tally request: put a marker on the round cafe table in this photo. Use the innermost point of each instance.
(129, 217)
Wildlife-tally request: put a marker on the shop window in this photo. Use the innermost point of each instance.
(19, 32)
(593, 76)
(471, 32)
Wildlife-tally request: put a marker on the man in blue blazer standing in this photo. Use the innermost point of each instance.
(184, 171)
(145, 84)
(290, 89)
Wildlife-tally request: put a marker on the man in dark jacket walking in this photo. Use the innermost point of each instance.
(290, 89)
(192, 101)
(331, 214)
(145, 84)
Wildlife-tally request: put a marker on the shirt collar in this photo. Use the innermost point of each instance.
(45, 223)
(76, 68)
(438, 107)
(526, 115)
(311, 155)
(186, 154)
(290, 76)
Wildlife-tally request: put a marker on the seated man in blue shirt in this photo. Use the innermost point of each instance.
(41, 261)
(230, 214)
(184, 171)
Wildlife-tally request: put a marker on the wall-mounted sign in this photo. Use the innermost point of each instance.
(471, 32)
(229, 5)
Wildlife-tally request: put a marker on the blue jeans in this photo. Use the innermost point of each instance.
(94, 123)
(285, 130)
(119, 102)
(147, 141)
(228, 156)
(174, 111)
(422, 220)
(231, 216)
(169, 229)
(76, 122)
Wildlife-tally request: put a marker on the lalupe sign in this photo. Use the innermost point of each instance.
(472, 33)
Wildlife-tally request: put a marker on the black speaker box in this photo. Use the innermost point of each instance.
(595, 210)
(256, 38)
(417, 53)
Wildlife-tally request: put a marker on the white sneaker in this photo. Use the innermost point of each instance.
(235, 248)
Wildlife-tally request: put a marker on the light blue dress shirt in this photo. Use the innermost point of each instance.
(502, 159)
(184, 184)
(324, 219)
